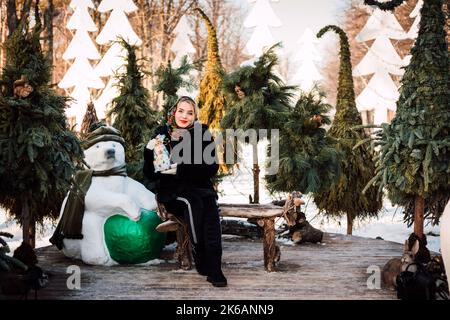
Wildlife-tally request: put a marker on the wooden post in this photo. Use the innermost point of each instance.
(255, 174)
(256, 183)
(419, 204)
(349, 224)
(271, 251)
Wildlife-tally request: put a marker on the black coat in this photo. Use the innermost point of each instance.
(189, 178)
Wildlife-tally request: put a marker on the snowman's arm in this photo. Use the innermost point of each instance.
(141, 195)
(108, 203)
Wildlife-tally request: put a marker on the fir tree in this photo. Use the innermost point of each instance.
(357, 167)
(211, 99)
(308, 160)
(8, 263)
(90, 117)
(259, 100)
(131, 110)
(37, 150)
(415, 147)
(170, 80)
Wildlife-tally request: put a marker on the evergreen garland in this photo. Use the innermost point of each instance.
(211, 100)
(131, 110)
(357, 167)
(308, 160)
(415, 147)
(37, 150)
(390, 5)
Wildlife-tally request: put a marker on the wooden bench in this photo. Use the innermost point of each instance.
(264, 214)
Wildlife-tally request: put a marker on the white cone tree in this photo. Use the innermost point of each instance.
(414, 30)
(117, 26)
(182, 44)
(261, 18)
(80, 76)
(382, 60)
(306, 58)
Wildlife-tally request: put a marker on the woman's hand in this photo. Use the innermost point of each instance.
(172, 170)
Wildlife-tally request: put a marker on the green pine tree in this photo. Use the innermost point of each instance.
(415, 147)
(308, 161)
(131, 110)
(170, 80)
(37, 150)
(357, 167)
(211, 99)
(90, 118)
(258, 100)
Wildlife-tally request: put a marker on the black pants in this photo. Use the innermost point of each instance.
(201, 214)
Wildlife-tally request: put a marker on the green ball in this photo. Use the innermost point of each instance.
(131, 241)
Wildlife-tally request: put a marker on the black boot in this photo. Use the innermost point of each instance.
(217, 280)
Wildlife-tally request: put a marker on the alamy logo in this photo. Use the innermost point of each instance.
(374, 280)
(225, 143)
(74, 280)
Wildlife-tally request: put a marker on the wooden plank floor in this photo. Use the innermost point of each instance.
(335, 269)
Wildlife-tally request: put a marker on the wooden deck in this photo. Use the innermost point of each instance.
(335, 269)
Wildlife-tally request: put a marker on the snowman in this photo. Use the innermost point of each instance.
(108, 218)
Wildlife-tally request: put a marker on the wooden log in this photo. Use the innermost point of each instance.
(241, 228)
(250, 210)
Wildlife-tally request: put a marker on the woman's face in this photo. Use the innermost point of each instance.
(185, 115)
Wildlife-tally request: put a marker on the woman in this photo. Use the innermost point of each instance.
(184, 186)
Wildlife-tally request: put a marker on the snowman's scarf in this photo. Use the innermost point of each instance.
(71, 221)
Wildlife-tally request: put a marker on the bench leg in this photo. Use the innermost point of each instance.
(271, 249)
(183, 252)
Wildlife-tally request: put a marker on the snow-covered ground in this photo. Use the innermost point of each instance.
(236, 189)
